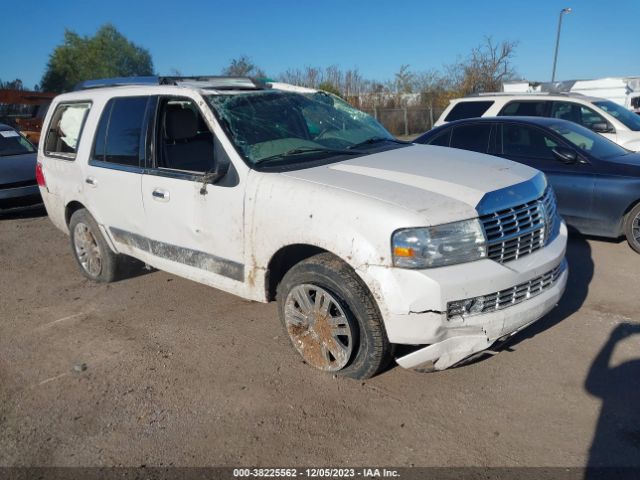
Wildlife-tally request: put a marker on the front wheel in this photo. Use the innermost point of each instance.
(632, 228)
(332, 319)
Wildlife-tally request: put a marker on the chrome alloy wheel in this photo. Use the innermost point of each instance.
(87, 249)
(318, 327)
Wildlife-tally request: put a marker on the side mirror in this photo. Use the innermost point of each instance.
(219, 170)
(565, 155)
(602, 128)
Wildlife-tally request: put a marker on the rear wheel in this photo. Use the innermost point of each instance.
(96, 260)
(632, 228)
(332, 319)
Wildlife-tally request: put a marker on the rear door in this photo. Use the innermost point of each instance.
(475, 137)
(194, 228)
(573, 184)
(113, 177)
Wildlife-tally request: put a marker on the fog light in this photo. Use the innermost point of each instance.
(468, 306)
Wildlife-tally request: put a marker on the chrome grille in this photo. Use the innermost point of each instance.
(518, 231)
(505, 298)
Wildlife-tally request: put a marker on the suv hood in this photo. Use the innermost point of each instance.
(444, 184)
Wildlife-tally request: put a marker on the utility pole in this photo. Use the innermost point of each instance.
(564, 11)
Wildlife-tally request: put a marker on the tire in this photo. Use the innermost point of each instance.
(632, 228)
(95, 258)
(331, 318)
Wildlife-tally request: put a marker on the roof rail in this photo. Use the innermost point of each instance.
(504, 94)
(210, 81)
(532, 94)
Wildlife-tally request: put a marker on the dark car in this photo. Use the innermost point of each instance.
(597, 182)
(18, 186)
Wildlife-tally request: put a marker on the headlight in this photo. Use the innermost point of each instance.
(437, 246)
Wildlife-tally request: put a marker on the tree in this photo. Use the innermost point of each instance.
(243, 67)
(107, 54)
(12, 85)
(329, 87)
(486, 68)
(435, 89)
(404, 80)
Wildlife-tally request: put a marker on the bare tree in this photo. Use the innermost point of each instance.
(486, 68)
(435, 89)
(404, 79)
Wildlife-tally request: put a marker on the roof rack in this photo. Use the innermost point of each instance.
(212, 82)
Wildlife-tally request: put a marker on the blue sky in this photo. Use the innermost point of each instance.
(599, 38)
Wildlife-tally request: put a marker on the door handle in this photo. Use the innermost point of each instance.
(160, 195)
(91, 181)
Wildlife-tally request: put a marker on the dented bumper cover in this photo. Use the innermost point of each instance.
(414, 303)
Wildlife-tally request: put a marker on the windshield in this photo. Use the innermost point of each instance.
(12, 143)
(274, 125)
(590, 142)
(627, 117)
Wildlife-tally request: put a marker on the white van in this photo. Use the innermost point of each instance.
(365, 241)
(608, 118)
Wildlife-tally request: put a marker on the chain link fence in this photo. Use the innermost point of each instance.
(405, 121)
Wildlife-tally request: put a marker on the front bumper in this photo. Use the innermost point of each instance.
(414, 304)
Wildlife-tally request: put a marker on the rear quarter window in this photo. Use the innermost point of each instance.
(464, 110)
(65, 129)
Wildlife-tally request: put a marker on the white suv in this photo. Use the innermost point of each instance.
(602, 116)
(364, 241)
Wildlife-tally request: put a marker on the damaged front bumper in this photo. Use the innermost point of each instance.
(419, 305)
(479, 332)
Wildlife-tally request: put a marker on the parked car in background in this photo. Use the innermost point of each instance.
(364, 241)
(605, 117)
(18, 186)
(597, 182)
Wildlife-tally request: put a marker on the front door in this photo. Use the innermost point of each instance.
(195, 229)
(573, 184)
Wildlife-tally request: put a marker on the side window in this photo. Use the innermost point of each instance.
(65, 129)
(590, 117)
(566, 111)
(471, 109)
(117, 138)
(525, 108)
(442, 139)
(525, 141)
(472, 137)
(183, 137)
(574, 112)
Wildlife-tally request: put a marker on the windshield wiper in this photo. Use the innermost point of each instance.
(303, 150)
(372, 140)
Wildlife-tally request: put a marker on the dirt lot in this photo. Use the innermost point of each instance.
(181, 374)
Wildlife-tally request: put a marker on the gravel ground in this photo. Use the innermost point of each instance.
(157, 370)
